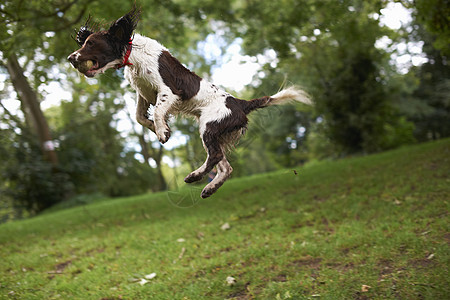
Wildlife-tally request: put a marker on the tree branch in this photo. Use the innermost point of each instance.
(18, 122)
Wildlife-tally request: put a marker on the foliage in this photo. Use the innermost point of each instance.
(38, 30)
(377, 221)
(93, 156)
(433, 91)
(26, 177)
(363, 104)
(100, 164)
(434, 15)
(332, 50)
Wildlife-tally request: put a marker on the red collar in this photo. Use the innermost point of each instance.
(126, 56)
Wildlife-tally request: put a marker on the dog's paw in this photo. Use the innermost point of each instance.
(192, 178)
(207, 192)
(163, 136)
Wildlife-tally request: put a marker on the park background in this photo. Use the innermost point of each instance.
(347, 199)
(376, 70)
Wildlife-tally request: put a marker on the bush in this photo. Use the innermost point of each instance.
(35, 185)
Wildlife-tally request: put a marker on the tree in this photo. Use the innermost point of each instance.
(28, 181)
(150, 153)
(32, 110)
(433, 15)
(33, 182)
(432, 94)
(34, 38)
(330, 49)
(23, 31)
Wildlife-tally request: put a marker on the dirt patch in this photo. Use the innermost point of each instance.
(342, 268)
(447, 238)
(386, 267)
(241, 294)
(92, 252)
(327, 226)
(59, 268)
(432, 166)
(319, 198)
(280, 278)
(361, 296)
(307, 262)
(422, 263)
(347, 250)
(227, 249)
(200, 274)
(304, 224)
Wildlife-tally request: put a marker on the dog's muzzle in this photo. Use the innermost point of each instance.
(73, 59)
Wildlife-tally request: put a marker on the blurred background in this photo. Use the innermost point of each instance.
(376, 69)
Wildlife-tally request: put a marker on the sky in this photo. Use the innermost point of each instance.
(234, 71)
(238, 70)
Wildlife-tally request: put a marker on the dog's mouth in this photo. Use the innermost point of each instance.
(89, 67)
(92, 67)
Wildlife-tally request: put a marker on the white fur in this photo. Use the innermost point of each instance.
(109, 65)
(290, 94)
(143, 75)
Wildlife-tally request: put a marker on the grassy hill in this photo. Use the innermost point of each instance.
(374, 227)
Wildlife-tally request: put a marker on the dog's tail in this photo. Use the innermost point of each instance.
(290, 94)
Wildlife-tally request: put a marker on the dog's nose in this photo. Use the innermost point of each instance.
(73, 58)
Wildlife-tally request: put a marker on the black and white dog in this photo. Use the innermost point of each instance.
(162, 81)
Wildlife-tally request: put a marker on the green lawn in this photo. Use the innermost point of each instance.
(374, 227)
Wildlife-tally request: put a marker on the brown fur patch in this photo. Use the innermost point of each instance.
(179, 79)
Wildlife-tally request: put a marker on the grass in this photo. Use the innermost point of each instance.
(374, 227)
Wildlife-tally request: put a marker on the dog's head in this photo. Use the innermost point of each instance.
(103, 49)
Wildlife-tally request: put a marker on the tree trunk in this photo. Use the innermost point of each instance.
(158, 159)
(144, 148)
(190, 156)
(156, 154)
(32, 109)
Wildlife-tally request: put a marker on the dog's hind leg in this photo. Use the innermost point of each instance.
(224, 170)
(164, 101)
(141, 113)
(217, 136)
(215, 155)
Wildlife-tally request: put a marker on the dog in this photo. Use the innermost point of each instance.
(160, 80)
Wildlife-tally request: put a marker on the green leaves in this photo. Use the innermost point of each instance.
(434, 15)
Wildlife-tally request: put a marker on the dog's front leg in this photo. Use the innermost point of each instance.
(141, 112)
(164, 101)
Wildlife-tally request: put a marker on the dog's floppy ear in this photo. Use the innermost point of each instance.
(85, 31)
(123, 28)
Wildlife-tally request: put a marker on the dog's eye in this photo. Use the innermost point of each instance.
(89, 43)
